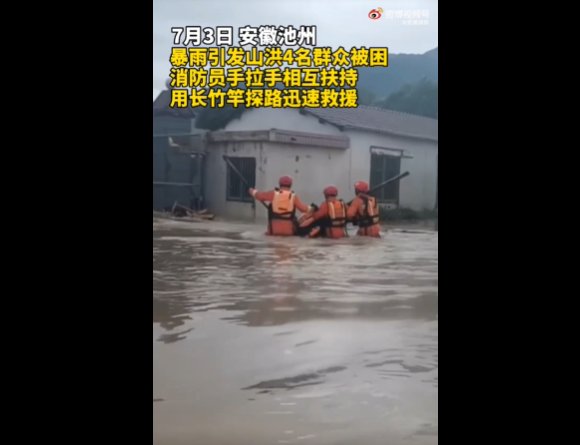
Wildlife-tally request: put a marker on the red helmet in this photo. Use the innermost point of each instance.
(330, 191)
(361, 187)
(285, 181)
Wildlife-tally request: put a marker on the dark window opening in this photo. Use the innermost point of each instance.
(384, 167)
(236, 189)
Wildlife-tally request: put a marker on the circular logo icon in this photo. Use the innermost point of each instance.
(375, 14)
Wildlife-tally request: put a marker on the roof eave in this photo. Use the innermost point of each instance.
(395, 133)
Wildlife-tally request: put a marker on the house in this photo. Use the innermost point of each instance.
(178, 156)
(318, 147)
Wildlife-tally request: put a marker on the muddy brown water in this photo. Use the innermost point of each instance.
(263, 340)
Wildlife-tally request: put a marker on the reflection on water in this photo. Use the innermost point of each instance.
(333, 339)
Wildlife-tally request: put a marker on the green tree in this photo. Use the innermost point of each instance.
(217, 118)
(366, 97)
(420, 98)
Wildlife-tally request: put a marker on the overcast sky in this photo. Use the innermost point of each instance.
(339, 23)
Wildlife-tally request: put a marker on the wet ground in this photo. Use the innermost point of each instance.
(260, 340)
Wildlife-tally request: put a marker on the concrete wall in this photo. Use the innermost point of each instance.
(418, 190)
(312, 168)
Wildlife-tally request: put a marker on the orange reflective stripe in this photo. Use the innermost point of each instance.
(368, 212)
(337, 213)
(331, 213)
(372, 207)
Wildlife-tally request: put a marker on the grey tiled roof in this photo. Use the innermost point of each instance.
(378, 120)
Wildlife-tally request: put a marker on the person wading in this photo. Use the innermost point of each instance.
(364, 211)
(329, 219)
(283, 203)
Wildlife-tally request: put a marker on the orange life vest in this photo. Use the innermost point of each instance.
(337, 213)
(369, 212)
(282, 206)
(336, 218)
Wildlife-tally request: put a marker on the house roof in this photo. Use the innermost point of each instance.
(161, 107)
(282, 137)
(378, 120)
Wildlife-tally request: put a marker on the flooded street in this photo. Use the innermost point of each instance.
(267, 340)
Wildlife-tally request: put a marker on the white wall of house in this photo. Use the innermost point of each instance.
(216, 182)
(313, 168)
(418, 190)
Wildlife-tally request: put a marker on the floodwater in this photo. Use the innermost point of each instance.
(262, 340)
